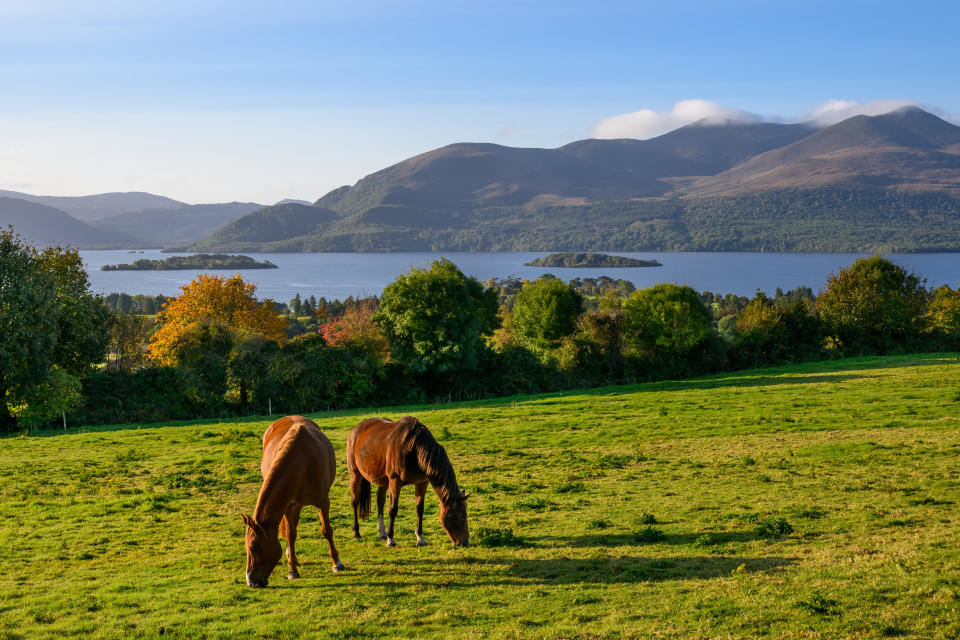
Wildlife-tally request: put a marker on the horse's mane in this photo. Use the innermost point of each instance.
(415, 438)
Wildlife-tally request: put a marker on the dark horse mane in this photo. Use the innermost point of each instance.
(416, 439)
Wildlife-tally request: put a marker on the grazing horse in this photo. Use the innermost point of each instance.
(298, 468)
(393, 454)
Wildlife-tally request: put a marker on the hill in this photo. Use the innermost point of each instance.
(89, 208)
(814, 500)
(182, 225)
(44, 226)
(269, 225)
(880, 183)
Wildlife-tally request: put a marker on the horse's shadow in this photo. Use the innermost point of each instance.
(705, 539)
(608, 570)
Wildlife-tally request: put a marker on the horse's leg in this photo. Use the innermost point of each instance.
(394, 504)
(288, 529)
(381, 499)
(421, 490)
(356, 481)
(327, 531)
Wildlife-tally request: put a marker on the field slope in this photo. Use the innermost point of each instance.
(815, 501)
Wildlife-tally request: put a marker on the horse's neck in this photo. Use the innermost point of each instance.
(272, 501)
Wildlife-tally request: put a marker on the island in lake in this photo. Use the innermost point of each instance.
(218, 261)
(589, 260)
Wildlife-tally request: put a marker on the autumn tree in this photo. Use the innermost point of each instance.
(356, 328)
(198, 329)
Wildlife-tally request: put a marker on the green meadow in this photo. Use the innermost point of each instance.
(811, 501)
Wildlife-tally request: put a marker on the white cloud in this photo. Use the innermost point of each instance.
(647, 123)
(833, 111)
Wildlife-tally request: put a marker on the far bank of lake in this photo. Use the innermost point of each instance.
(339, 275)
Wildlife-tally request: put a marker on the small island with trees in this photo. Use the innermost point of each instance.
(198, 261)
(589, 260)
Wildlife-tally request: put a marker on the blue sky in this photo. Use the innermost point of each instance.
(211, 101)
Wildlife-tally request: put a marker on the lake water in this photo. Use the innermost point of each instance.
(338, 275)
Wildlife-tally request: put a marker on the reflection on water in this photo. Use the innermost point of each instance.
(338, 275)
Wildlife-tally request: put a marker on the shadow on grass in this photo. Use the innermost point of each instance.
(703, 538)
(620, 570)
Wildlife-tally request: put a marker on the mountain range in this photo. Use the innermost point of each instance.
(869, 183)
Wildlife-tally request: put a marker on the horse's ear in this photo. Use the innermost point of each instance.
(247, 520)
(464, 496)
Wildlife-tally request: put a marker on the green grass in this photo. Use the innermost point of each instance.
(815, 501)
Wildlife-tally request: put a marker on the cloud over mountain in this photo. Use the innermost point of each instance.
(646, 123)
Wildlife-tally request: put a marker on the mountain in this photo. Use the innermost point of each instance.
(88, 208)
(45, 226)
(180, 226)
(293, 201)
(268, 225)
(908, 149)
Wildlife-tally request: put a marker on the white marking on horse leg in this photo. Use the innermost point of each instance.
(381, 529)
(420, 541)
(391, 543)
(338, 567)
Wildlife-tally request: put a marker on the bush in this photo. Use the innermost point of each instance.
(486, 537)
(148, 395)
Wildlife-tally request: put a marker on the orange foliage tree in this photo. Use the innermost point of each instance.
(356, 328)
(213, 300)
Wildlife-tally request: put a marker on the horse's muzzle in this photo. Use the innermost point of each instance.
(463, 543)
(256, 584)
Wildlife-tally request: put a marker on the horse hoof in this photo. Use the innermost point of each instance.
(338, 567)
(293, 575)
(391, 543)
(421, 542)
(383, 536)
(356, 536)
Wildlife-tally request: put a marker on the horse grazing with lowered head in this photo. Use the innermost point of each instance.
(298, 468)
(393, 454)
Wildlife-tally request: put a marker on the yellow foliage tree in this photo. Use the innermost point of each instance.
(213, 299)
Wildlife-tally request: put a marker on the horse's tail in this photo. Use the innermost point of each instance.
(363, 499)
(363, 495)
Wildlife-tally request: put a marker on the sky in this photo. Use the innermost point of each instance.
(216, 101)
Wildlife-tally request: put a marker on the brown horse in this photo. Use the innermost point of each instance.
(394, 454)
(298, 468)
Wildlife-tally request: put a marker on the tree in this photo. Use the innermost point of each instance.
(943, 313)
(28, 321)
(47, 401)
(356, 328)
(872, 306)
(665, 318)
(435, 319)
(49, 320)
(212, 300)
(129, 335)
(545, 311)
(83, 319)
(785, 330)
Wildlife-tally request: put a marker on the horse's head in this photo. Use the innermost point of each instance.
(453, 517)
(263, 553)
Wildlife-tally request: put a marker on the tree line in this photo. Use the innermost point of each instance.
(434, 334)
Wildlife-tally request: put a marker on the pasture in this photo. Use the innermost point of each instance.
(812, 501)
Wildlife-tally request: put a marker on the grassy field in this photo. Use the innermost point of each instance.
(815, 501)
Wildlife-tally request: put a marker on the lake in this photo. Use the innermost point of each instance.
(339, 275)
